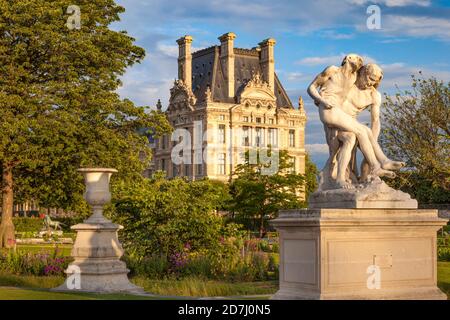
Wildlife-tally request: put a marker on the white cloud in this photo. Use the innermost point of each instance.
(416, 26)
(172, 50)
(393, 3)
(329, 60)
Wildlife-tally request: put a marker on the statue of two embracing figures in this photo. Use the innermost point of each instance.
(341, 93)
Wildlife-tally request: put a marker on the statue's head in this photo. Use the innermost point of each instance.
(354, 60)
(370, 76)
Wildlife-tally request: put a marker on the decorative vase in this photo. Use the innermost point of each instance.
(97, 192)
(97, 266)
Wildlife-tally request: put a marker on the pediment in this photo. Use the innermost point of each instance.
(257, 91)
(181, 97)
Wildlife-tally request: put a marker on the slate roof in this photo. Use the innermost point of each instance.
(207, 70)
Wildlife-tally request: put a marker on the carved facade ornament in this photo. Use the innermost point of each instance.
(257, 92)
(180, 88)
(208, 94)
(257, 82)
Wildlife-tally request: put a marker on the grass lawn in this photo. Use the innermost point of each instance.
(443, 274)
(35, 294)
(193, 287)
(64, 249)
(32, 287)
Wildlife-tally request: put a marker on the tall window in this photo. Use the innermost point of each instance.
(221, 164)
(221, 133)
(174, 170)
(164, 142)
(273, 137)
(245, 136)
(186, 170)
(163, 165)
(199, 169)
(221, 117)
(291, 138)
(291, 169)
(259, 137)
(245, 119)
(258, 120)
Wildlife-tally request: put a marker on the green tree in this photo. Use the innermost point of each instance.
(417, 131)
(311, 176)
(257, 194)
(59, 106)
(161, 216)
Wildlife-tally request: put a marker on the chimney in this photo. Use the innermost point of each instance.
(267, 62)
(227, 60)
(185, 60)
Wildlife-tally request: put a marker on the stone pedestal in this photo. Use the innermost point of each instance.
(342, 253)
(97, 253)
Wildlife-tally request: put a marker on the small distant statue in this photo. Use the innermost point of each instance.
(49, 224)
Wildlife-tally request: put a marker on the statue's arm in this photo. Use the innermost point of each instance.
(375, 115)
(319, 81)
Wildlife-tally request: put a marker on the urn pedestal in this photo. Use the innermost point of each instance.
(97, 266)
(358, 254)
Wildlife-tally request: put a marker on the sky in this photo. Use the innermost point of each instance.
(414, 35)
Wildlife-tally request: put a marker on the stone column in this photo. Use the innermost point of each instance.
(97, 266)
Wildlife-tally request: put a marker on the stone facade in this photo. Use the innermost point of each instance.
(236, 97)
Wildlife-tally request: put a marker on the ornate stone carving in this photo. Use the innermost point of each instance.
(257, 92)
(341, 93)
(180, 88)
(208, 94)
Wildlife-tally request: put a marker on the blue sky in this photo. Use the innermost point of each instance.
(310, 35)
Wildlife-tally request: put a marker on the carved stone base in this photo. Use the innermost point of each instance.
(375, 195)
(342, 253)
(97, 253)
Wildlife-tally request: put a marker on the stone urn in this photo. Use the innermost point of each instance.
(97, 266)
(97, 192)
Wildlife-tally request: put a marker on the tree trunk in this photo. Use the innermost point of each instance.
(261, 226)
(7, 237)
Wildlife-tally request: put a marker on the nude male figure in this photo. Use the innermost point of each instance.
(362, 95)
(329, 91)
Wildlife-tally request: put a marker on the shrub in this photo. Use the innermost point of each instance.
(37, 264)
(161, 216)
(444, 253)
(153, 267)
(30, 225)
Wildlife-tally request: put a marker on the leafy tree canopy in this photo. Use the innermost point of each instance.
(417, 131)
(59, 106)
(258, 194)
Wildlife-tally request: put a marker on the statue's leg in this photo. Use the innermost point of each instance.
(348, 140)
(385, 162)
(335, 117)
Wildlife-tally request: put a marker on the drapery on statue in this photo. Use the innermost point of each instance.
(341, 93)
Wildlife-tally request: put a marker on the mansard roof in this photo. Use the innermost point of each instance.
(207, 71)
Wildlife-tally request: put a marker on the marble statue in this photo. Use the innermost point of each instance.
(341, 93)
